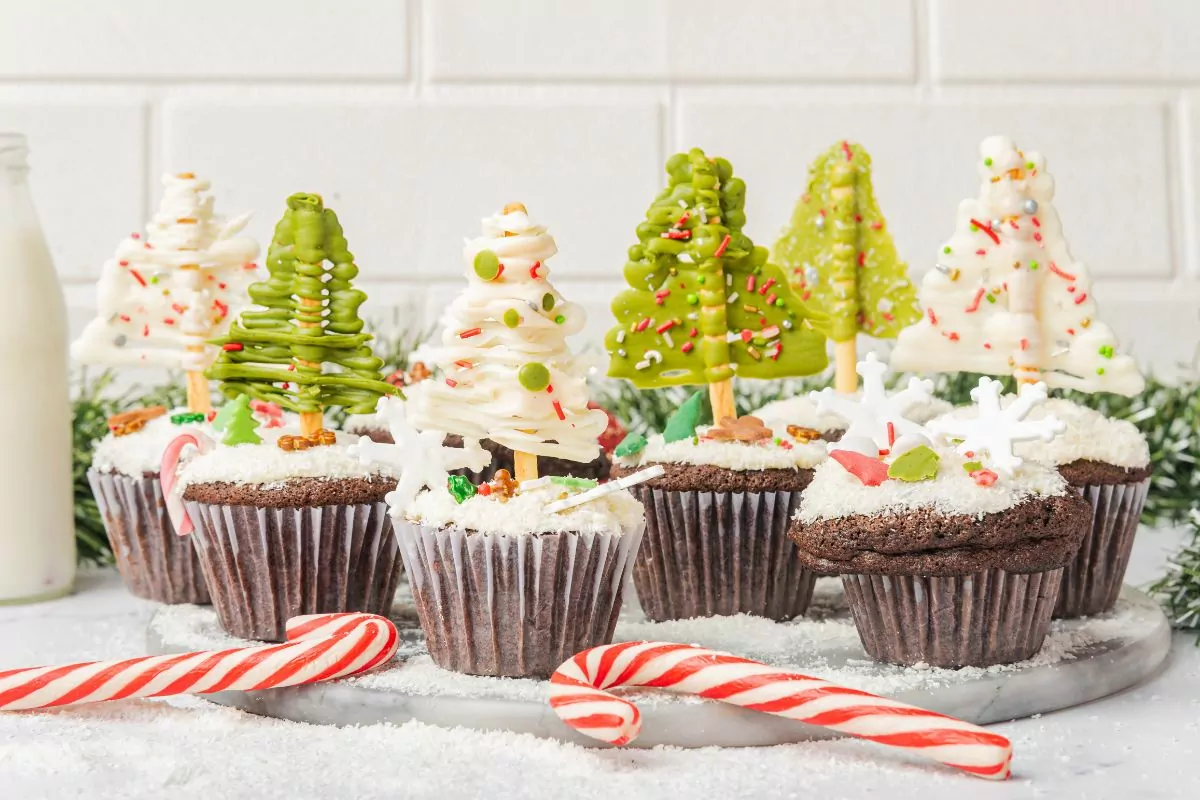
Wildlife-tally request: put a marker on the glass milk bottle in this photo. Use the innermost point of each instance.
(37, 526)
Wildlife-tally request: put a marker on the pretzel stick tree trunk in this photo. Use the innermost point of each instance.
(199, 398)
(310, 421)
(524, 464)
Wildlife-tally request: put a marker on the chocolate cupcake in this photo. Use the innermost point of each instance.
(716, 524)
(948, 558)
(1107, 462)
(282, 533)
(153, 562)
(502, 587)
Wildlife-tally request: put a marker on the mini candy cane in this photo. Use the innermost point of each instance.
(320, 647)
(577, 696)
(167, 477)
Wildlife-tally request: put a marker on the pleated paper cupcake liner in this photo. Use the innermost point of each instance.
(1092, 581)
(720, 553)
(264, 565)
(989, 617)
(515, 605)
(154, 562)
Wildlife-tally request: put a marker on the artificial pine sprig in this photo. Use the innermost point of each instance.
(1179, 589)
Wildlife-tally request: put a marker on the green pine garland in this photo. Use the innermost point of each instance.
(1179, 589)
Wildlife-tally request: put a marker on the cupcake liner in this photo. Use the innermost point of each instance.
(515, 605)
(265, 565)
(154, 562)
(719, 553)
(989, 617)
(1092, 580)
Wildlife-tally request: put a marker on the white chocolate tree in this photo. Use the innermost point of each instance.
(163, 296)
(506, 371)
(996, 429)
(1006, 296)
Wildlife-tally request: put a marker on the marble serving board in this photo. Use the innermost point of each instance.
(1082, 660)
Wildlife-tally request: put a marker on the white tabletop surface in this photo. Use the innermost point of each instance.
(1144, 742)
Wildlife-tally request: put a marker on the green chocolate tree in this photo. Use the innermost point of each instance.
(838, 252)
(704, 304)
(308, 318)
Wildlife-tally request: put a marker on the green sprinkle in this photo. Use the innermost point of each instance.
(779, 302)
(987, 162)
(974, 228)
(534, 376)
(1099, 370)
(574, 483)
(547, 301)
(972, 466)
(154, 279)
(1106, 351)
(692, 299)
(1033, 265)
(487, 265)
(631, 445)
(511, 318)
(187, 417)
(560, 319)
(946, 249)
(991, 298)
(460, 488)
(700, 280)
(682, 424)
(1029, 165)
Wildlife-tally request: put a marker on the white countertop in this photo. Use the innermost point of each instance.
(1144, 742)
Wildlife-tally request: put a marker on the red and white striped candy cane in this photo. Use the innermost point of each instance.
(167, 477)
(577, 696)
(320, 647)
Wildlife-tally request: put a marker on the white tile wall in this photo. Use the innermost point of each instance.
(416, 117)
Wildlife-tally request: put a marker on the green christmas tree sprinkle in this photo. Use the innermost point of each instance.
(240, 424)
(838, 252)
(308, 318)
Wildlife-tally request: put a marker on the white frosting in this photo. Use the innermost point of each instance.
(836, 493)
(730, 455)
(1089, 436)
(988, 309)
(361, 423)
(140, 452)
(478, 394)
(267, 465)
(163, 295)
(525, 513)
(802, 411)
(875, 413)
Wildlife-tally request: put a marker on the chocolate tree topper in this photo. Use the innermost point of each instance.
(308, 317)
(507, 372)
(165, 293)
(838, 252)
(1006, 296)
(705, 305)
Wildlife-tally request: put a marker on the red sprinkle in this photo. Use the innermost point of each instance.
(979, 293)
(720, 251)
(558, 409)
(986, 229)
(666, 326)
(771, 298)
(987, 346)
(1024, 344)
(462, 363)
(1037, 237)
(693, 333)
(804, 297)
(679, 222)
(1071, 331)
(1082, 296)
(168, 320)
(846, 149)
(677, 234)
(862, 259)
(1066, 276)
(747, 335)
(451, 382)
(876, 226)
(981, 252)
(467, 334)
(145, 330)
(233, 347)
(137, 276)
(1035, 222)
(952, 336)
(891, 434)
(125, 318)
(533, 270)
(124, 263)
(778, 349)
(135, 235)
(641, 326)
(932, 316)
(687, 347)
(766, 287)
(750, 283)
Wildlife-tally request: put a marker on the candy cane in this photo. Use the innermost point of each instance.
(167, 477)
(320, 647)
(577, 696)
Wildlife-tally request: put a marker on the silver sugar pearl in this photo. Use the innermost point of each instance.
(120, 340)
(996, 223)
(811, 275)
(1031, 206)
(622, 353)
(820, 223)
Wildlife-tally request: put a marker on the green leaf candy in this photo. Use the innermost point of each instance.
(918, 464)
(682, 424)
(460, 488)
(631, 445)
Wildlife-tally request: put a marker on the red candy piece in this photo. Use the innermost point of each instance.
(613, 434)
(871, 471)
(984, 477)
